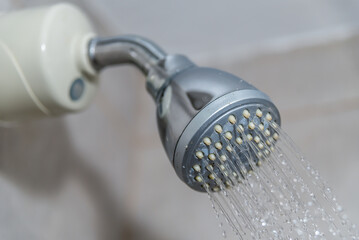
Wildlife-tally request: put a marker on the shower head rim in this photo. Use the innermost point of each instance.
(213, 108)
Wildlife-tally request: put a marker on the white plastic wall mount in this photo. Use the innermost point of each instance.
(44, 65)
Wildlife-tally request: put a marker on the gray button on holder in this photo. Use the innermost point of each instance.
(77, 89)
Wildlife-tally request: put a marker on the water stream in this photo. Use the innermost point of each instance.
(279, 195)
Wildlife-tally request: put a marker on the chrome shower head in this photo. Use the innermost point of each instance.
(208, 115)
(204, 115)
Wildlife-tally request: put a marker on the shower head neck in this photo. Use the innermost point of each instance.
(136, 50)
(148, 57)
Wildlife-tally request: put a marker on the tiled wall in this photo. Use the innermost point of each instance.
(103, 174)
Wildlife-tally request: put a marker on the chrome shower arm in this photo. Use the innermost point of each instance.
(154, 63)
(136, 50)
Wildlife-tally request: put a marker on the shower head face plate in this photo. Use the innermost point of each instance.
(225, 138)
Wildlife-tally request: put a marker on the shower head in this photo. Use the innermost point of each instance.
(207, 118)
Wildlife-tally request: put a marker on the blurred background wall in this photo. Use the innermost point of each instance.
(102, 173)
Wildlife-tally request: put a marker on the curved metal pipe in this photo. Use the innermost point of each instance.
(155, 64)
(135, 50)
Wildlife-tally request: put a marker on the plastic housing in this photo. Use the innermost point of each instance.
(44, 65)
